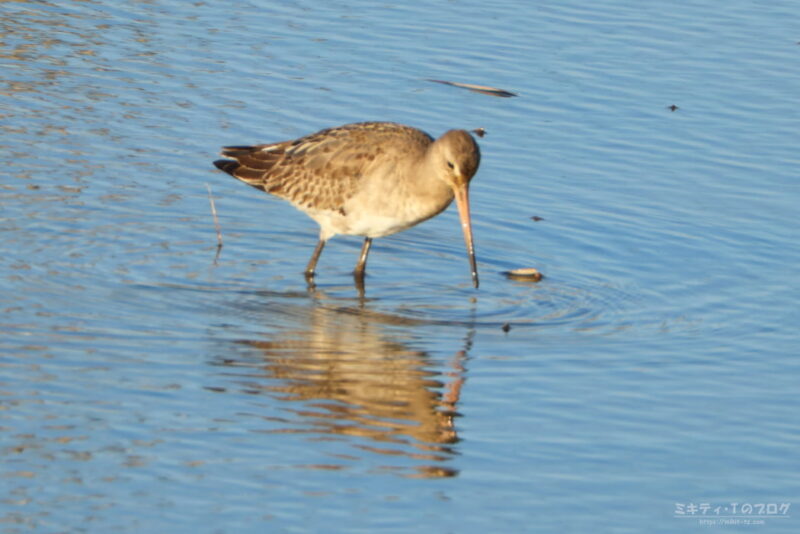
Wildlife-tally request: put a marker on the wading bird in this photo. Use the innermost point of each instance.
(369, 179)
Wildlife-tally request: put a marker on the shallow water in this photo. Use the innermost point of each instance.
(150, 385)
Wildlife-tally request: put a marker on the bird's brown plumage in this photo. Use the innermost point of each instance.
(370, 178)
(289, 169)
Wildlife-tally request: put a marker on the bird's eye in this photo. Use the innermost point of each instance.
(450, 164)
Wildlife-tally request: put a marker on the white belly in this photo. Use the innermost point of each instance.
(376, 220)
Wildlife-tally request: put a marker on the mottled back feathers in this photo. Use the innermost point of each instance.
(322, 170)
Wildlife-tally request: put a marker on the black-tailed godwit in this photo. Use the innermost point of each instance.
(370, 179)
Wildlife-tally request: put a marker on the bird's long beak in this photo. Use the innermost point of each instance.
(462, 202)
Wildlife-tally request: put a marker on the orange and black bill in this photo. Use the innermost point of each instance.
(462, 202)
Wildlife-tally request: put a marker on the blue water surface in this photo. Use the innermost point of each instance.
(151, 383)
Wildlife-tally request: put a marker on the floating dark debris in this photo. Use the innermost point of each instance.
(527, 274)
(483, 89)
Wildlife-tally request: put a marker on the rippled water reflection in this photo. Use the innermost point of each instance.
(338, 373)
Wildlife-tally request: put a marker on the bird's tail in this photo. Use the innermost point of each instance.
(250, 164)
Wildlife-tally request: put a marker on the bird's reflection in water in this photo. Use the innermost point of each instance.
(348, 372)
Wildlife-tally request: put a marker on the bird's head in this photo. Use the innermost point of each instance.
(457, 156)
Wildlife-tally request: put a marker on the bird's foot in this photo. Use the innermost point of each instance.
(358, 278)
(309, 275)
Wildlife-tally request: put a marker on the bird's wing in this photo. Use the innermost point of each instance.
(321, 170)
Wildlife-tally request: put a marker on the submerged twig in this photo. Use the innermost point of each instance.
(483, 89)
(216, 219)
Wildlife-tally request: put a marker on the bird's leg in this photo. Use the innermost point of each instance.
(312, 263)
(361, 266)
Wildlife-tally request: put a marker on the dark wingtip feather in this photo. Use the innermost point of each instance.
(227, 165)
